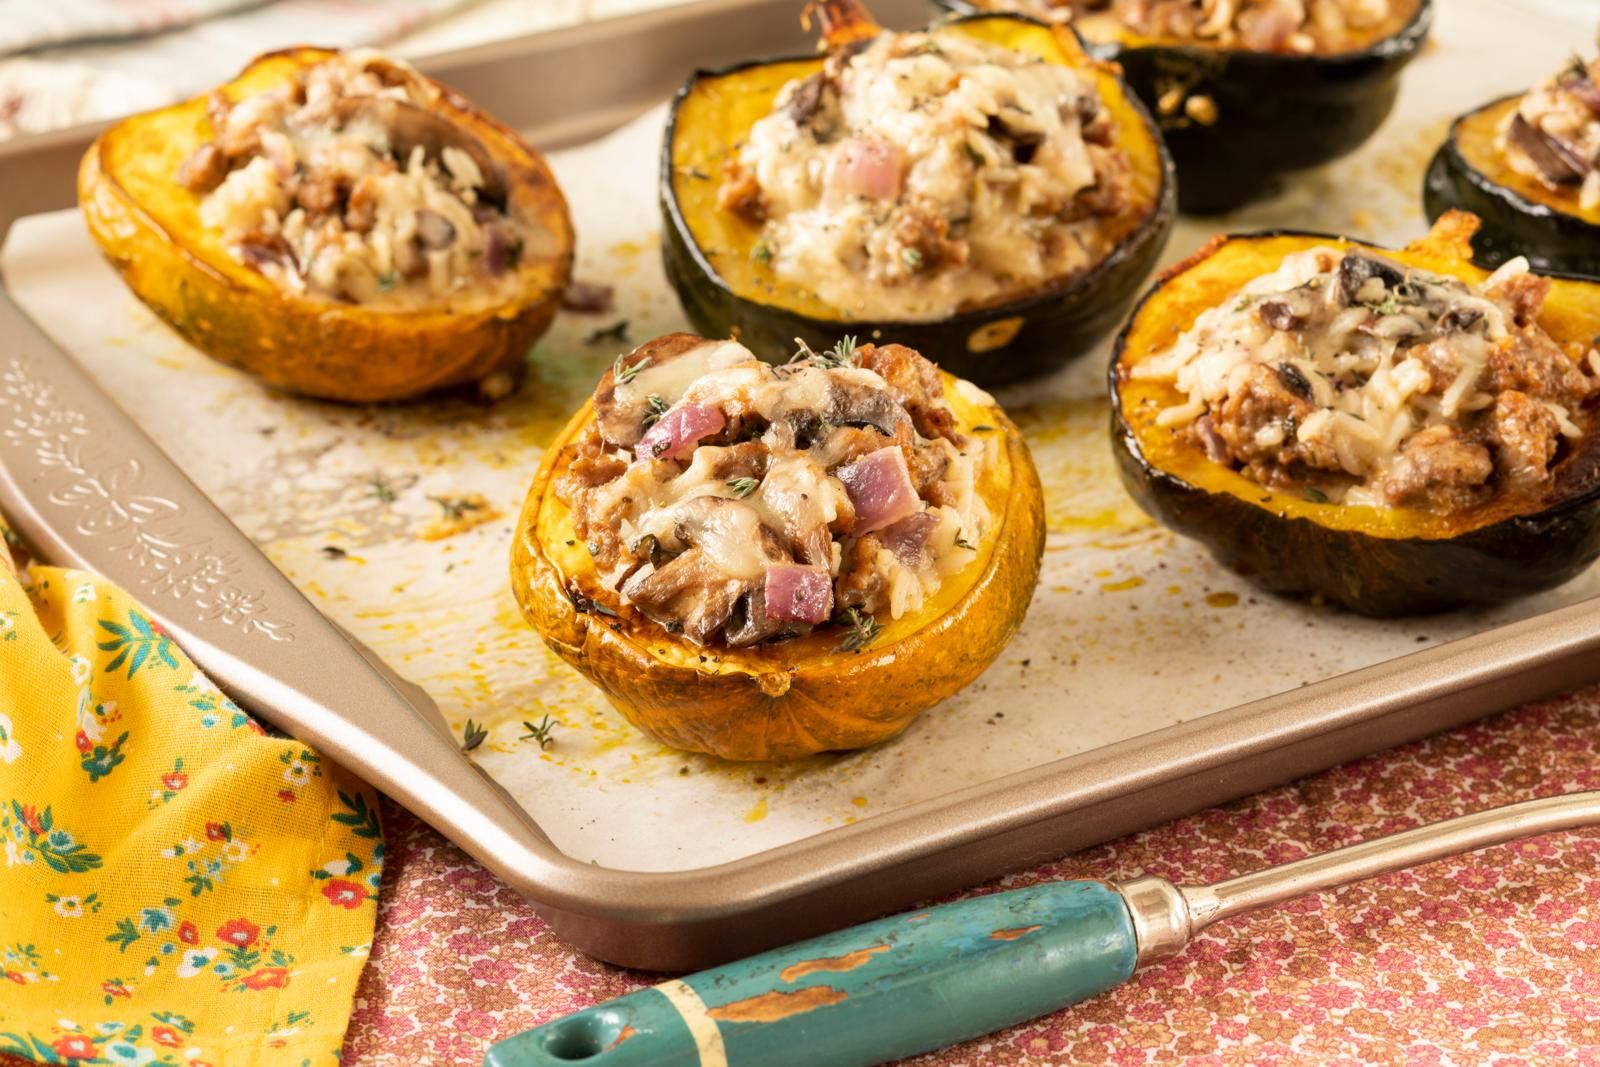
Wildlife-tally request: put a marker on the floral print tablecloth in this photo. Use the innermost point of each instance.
(1492, 958)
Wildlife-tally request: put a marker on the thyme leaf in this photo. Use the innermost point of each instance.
(584, 605)
(863, 628)
(472, 735)
(623, 374)
(658, 408)
(540, 732)
(647, 546)
(381, 488)
(1316, 496)
(742, 487)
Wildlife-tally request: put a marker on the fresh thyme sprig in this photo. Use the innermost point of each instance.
(658, 408)
(842, 354)
(381, 488)
(472, 735)
(863, 628)
(540, 732)
(742, 487)
(624, 374)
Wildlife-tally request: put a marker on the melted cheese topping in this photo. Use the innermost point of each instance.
(799, 489)
(942, 169)
(1362, 364)
(327, 201)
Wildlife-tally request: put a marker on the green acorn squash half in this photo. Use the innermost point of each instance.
(1376, 561)
(1521, 215)
(725, 289)
(1237, 121)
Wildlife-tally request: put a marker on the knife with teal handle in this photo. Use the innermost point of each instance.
(908, 984)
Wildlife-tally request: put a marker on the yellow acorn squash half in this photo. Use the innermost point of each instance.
(796, 697)
(149, 227)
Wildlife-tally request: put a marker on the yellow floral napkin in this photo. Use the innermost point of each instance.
(179, 887)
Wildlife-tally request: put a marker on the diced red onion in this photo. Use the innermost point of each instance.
(798, 594)
(677, 432)
(496, 250)
(1268, 28)
(880, 488)
(908, 538)
(869, 168)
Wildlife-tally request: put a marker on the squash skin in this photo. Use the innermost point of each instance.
(1392, 562)
(1520, 216)
(1022, 338)
(798, 697)
(317, 348)
(1275, 113)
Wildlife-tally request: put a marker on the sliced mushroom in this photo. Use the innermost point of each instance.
(434, 231)
(1279, 315)
(1356, 269)
(852, 404)
(806, 99)
(204, 170)
(410, 127)
(1557, 162)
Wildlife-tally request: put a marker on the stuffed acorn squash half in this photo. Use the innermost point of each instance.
(1249, 91)
(983, 192)
(1528, 165)
(337, 225)
(1398, 432)
(765, 562)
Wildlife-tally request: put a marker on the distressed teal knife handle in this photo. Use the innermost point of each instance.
(861, 996)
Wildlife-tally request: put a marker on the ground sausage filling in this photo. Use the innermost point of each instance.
(343, 185)
(734, 502)
(1302, 27)
(1554, 133)
(1357, 380)
(930, 172)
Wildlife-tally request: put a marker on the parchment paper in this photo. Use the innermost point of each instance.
(1132, 629)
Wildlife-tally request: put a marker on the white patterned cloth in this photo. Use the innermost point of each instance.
(26, 24)
(82, 60)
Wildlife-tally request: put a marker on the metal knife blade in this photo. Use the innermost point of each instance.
(82, 483)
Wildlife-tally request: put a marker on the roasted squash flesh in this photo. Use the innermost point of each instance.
(149, 227)
(1377, 560)
(805, 695)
